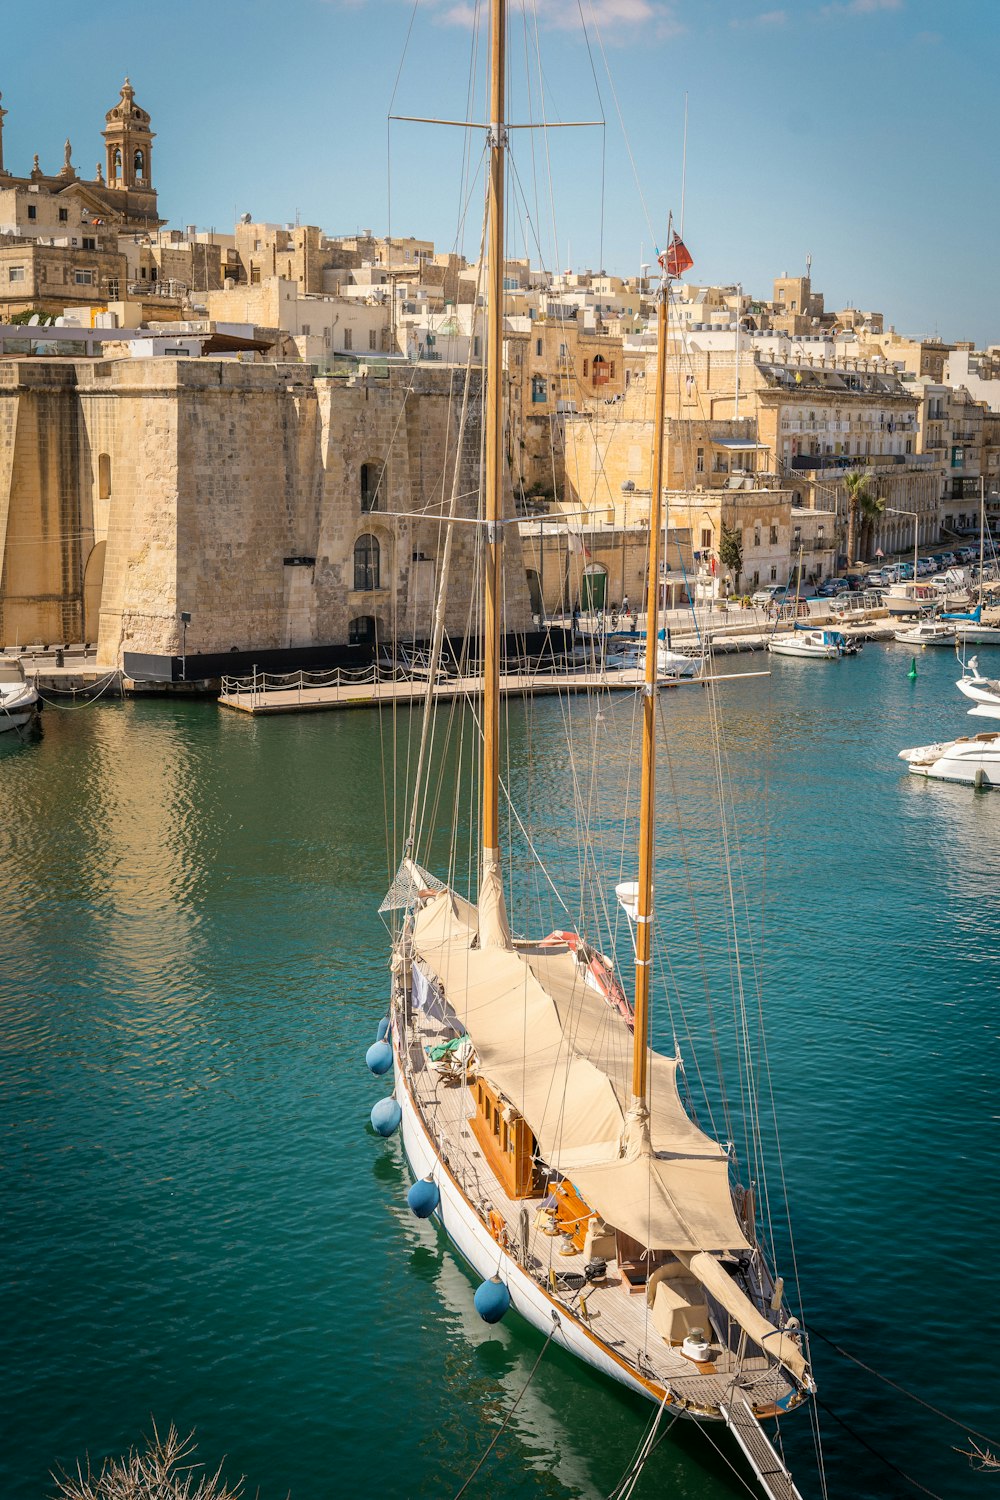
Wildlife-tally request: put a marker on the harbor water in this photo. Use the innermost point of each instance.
(199, 1225)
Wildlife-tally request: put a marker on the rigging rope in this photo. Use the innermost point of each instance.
(506, 1420)
(911, 1395)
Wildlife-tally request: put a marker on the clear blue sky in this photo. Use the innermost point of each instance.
(862, 131)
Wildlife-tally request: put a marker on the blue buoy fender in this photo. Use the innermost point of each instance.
(424, 1197)
(386, 1115)
(379, 1058)
(492, 1300)
(383, 1029)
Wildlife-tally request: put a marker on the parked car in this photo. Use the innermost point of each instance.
(947, 559)
(831, 587)
(876, 579)
(767, 595)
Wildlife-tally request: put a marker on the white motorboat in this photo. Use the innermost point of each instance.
(980, 689)
(814, 644)
(927, 633)
(18, 697)
(912, 598)
(971, 759)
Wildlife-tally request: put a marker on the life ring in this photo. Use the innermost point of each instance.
(497, 1228)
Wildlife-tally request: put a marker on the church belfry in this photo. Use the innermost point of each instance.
(129, 144)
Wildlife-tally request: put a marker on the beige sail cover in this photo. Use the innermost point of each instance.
(562, 1055)
(780, 1346)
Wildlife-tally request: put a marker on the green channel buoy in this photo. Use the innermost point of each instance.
(911, 674)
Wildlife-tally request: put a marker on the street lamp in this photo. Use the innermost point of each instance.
(185, 622)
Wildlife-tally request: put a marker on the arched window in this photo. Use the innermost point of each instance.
(361, 632)
(371, 474)
(366, 563)
(139, 163)
(103, 475)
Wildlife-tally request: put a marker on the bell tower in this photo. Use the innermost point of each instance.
(128, 144)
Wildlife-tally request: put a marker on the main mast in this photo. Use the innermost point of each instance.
(493, 929)
(647, 805)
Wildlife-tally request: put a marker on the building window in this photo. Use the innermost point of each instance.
(756, 536)
(16, 273)
(699, 462)
(64, 216)
(254, 275)
(371, 475)
(89, 243)
(83, 278)
(366, 564)
(774, 573)
(774, 536)
(476, 346)
(113, 289)
(706, 538)
(361, 631)
(305, 329)
(348, 338)
(538, 348)
(538, 388)
(32, 211)
(586, 367)
(373, 338)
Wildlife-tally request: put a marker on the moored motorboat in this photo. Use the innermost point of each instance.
(927, 633)
(814, 643)
(19, 701)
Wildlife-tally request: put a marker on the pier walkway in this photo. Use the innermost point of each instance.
(299, 694)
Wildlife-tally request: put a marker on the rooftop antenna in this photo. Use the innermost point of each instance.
(809, 266)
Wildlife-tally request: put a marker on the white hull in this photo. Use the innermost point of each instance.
(473, 1241)
(972, 762)
(18, 709)
(926, 635)
(805, 649)
(978, 635)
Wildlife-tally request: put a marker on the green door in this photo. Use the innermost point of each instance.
(593, 591)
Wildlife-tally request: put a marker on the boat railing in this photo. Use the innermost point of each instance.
(259, 683)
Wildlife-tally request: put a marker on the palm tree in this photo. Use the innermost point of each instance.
(864, 507)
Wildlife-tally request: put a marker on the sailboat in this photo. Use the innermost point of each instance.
(545, 1136)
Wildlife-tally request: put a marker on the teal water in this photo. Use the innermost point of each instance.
(198, 1225)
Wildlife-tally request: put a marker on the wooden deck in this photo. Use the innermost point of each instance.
(619, 1318)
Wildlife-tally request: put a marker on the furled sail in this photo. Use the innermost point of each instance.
(562, 1056)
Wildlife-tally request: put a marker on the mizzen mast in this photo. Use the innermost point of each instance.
(493, 928)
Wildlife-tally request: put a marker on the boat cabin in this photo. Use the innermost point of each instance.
(507, 1142)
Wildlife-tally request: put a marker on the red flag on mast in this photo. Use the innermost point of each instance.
(676, 259)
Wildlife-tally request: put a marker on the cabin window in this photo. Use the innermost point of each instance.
(367, 559)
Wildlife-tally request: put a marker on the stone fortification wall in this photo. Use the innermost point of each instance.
(235, 493)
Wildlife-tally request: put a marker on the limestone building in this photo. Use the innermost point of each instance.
(203, 515)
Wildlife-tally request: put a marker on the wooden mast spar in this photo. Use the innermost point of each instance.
(493, 922)
(647, 804)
